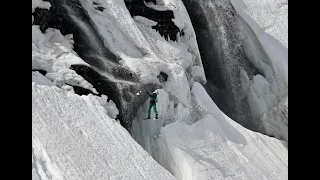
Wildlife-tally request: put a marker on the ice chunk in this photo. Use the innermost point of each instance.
(40, 4)
(40, 79)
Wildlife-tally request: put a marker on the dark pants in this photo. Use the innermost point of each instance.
(154, 108)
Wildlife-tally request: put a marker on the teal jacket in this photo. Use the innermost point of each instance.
(153, 98)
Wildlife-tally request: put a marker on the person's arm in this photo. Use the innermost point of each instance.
(148, 94)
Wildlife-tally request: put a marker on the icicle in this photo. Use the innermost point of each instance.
(178, 37)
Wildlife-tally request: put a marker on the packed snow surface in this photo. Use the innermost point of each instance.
(74, 138)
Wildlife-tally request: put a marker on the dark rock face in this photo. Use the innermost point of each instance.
(102, 85)
(105, 74)
(51, 19)
(165, 25)
(222, 56)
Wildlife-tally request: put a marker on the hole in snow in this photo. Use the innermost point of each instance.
(162, 77)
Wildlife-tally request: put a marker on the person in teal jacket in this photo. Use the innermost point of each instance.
(152, 103)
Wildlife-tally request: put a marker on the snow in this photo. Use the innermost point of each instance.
(182, 113)
(215, 147)
(269, 22)
(271, 15)
(204, 151)
(74, 138)
(156, 7)
(177, 85)
(182, 21)
(198, 73)
(40, 4)
(53, 52)
(144, 21)
(38, 78)
(110, 107)
(202, 99)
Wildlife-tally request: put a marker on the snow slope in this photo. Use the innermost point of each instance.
(215, 147)
(74, 138)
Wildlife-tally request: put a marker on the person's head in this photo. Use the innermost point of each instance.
(155, 93)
